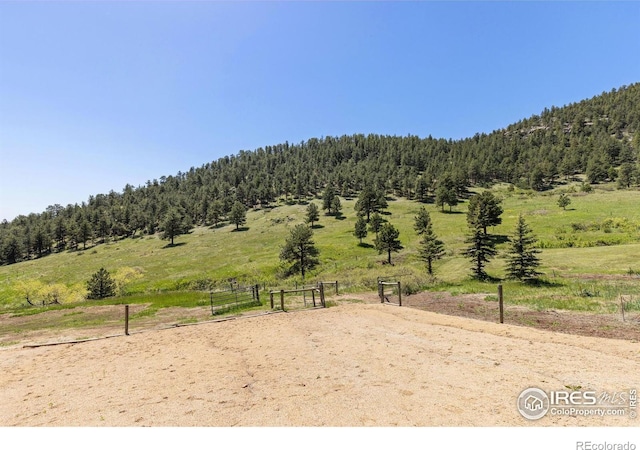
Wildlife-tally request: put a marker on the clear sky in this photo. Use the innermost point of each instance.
(95, 95)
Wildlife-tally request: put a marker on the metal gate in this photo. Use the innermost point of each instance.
(234, 298)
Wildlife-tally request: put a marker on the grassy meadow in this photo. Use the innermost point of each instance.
(590, 255)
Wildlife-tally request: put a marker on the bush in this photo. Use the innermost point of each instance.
(586, 187)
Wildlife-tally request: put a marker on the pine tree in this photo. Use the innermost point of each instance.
(422, 221)
(327, 198)
(101, 285)
(387, 240)
(564, 201)
(11, 250)
(336, 205)
(172, 225)
(375, 223)
(422, 189)
(238, 214)
(313, 214)
(480, 251)
(485, 209)
(360, 229)
(446, 196)
(300, 250)
(522, 260)
(85, 233)
(626, 175)
(215, 211)
(41, 241)
(370, 201)
(431, 248)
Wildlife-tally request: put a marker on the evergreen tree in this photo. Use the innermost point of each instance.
(387, 240)
(41, 241)
(375, 223)
(422, 221)
(85, 233)
(60, 232)
(484, 211)
(336, 205)
(27, 242)
(101, 285)
(360, 229)
(238, 214)
(597, 169)
(172, 225)
(522, 261)
(215, 211)
(536, 179)
(626, 175)
(11, 251)
(73, 231)
(327, 198)
(370, 201)
(300, 250)
(422, 189)
(564, 201)
(104, 227)
(313, 213)
(480, 251)
(431, 248)
(446, 196)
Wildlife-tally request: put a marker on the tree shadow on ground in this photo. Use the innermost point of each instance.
(540, 282)
(176, 244)
(240, 229)
(365, 245)
(487, 279)
(218, 225)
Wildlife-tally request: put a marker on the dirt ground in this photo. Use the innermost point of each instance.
(350, 365)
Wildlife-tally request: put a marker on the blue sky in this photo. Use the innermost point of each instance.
(95, 95)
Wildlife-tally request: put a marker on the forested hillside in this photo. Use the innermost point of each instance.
(599, 137)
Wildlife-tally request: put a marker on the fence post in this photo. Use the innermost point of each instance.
(257, 293)
(313, 297)
(271, 298)
(381, 292)
(399, 294)
(282, 299)
(324, 305)
(622, 306)
(501, 303)
(336, 287)
(126, 320)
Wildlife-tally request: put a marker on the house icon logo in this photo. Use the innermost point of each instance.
(533, 403)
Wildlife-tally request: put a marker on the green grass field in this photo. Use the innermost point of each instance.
(590, 255)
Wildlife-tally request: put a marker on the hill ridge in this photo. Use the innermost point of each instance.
(599, 137)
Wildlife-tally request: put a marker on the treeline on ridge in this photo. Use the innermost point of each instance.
(599, 137)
